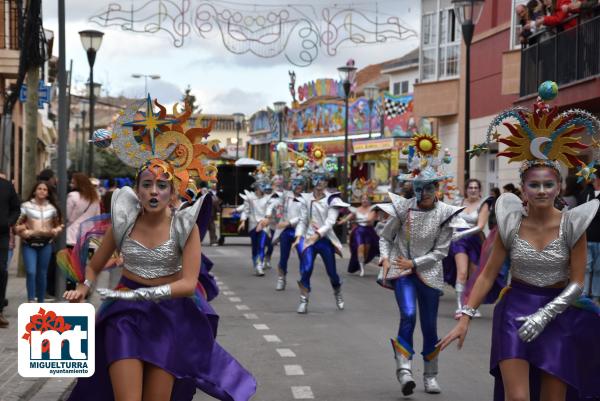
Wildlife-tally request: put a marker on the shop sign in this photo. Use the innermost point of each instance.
(373, 145)
(321, 87)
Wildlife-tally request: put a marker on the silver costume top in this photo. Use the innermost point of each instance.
(550, 265)
(165, 259)
(38, 217)
(319, 216)
(420, 235)
(472, 217)
(255, 208)
(362, 219)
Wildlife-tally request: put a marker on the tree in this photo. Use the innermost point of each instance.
(190, 99)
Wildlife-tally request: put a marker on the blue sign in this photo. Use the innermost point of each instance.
(44, 94)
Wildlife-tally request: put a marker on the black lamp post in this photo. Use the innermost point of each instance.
(91, 41)
(83, 107)
(238, 118)
(371, 92)
(467, 12)
(279, 108)
(347, 76)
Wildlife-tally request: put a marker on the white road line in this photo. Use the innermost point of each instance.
(261, 326)
(293, 370)
(250, 316)
(302, 393)
(286, 353)
(223, 287)
(228, 293)
(271, 338)
(235, 299)
(242, 307)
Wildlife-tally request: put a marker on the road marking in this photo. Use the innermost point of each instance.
(261, 326)
(271, 338)
(302, 393)
(223, 287)
(228, 293)
(235, 299)
(293, 370)
(250, 316)
(242, 307)
(286, 353)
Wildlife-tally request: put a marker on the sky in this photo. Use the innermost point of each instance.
(222, 82)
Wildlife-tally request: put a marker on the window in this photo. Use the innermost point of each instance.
(404, 89)
(440, 53)
(515, 27)
(396, 89)
(428, 65)
(428, 30)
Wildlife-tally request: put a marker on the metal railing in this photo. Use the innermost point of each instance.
(564, 56)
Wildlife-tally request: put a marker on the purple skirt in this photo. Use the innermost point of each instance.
(471, 246)
(568, 348)
(177, 335)
(362, 235)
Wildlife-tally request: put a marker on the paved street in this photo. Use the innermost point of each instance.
(326, 355)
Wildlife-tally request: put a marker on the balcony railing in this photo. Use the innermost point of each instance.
(9, 16)
(563, 57)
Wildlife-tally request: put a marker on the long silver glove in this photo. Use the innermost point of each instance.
(465, 233)
(536, 322)
(139, 294)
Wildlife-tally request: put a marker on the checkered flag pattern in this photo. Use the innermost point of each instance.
(394, 108)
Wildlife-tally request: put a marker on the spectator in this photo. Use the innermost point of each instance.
(107, 197)
(525, 22)
(47, 175)
(556, 13)
(39, 224)
(82, 203)
(495, 192)
(510, 187)
(572, 190)
(9, 213)
(592, 271)
(216, 208)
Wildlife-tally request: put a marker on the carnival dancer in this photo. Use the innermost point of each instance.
(155, 333)
(544, 345)
(255, 212)
(413, 243)
(314, 232)
(275, 191)
(364, 241)
(465, 249)
(291, 203)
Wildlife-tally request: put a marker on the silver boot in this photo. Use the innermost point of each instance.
(303, 306)
(280, 286)
(339, 300)
(259, 269)
(430, 372)
(404, 372)
(459, 288)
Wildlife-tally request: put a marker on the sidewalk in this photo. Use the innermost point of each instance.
(13, 387)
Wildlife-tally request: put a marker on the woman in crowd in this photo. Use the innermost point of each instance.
(572, 190)
(463, 257)
(544, 345)
(83, 202)
(364, 241)
(39, 224)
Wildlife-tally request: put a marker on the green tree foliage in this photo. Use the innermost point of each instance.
(190, 99)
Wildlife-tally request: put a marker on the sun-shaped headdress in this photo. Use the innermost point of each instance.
(424, 161)
(162, 143)
(545, 137)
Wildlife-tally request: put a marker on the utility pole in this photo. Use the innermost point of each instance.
(30, 159)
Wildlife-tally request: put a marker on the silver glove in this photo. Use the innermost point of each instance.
(465, 233)
(535, 323)
(139, 294)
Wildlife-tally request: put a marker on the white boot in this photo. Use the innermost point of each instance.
(339, 300)
(430, 372)
(459, 288)
(404, 372)
(259, 269)
(280, 286)
(303, 306)
(362, 269)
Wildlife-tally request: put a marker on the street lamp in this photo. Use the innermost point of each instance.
(467, 12)
(279, 108)
(146, 76)
(347, 77)
(91, 41)
(371, 92)
(238, 118)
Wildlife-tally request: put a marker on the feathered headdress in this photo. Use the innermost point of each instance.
(158, 142)
(545, 137)
(424, 161)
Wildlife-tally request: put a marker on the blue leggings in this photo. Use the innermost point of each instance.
(36, 262)
(260, 241)
(322, 247)
(270, 246)
(409, 291)
(286, 239)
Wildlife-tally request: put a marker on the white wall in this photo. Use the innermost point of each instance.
(410, 75)
(448, 134)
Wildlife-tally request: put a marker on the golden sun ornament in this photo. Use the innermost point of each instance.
(318, 153)
(426, 145)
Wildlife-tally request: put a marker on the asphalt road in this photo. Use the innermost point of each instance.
(330, 354)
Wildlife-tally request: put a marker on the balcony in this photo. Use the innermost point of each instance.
(564, 57)
(9, 44)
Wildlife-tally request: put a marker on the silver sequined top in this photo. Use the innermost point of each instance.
(472, 217)
(362, 219)
(420, 235)
(164, 260)
(550, 265)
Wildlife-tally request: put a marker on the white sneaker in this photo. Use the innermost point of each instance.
(303, 306)
(431, 385)
(259, 270)
(280, 286)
